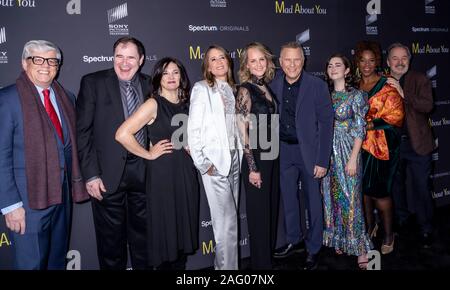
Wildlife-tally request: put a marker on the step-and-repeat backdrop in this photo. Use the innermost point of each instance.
(86, 30)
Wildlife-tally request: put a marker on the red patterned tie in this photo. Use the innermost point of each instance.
(52, 113)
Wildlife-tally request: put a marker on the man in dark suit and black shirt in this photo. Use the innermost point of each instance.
(306, 131)
(115, 179)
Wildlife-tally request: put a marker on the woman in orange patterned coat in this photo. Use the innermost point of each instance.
(381, 145)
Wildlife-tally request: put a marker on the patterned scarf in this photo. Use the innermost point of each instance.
(41, 152)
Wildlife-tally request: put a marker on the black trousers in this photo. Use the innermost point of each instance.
(120, 221)
(418, 168)
(262, 212)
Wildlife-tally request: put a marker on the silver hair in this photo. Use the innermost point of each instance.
(401, 45)
(39, 45)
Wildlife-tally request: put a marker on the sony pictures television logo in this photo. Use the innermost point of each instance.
(429, 9)
(371, 29)
(3, 53)
(115, 14)
(302, 38)
(373, 9)
(431, 74)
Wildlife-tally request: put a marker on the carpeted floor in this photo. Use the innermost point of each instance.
(408, 253)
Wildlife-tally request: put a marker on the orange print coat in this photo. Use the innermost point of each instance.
(386, 104)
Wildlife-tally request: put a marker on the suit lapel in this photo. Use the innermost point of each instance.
(145, 86)
(301, 92)
(406, 84)
(278, 91)
(113, 88)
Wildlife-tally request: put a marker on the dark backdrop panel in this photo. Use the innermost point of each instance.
(184, 29)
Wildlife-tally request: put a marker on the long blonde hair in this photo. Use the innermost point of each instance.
(244, 72)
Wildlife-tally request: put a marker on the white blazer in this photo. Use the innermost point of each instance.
(206, 129)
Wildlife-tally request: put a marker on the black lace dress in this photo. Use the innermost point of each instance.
(256, 111)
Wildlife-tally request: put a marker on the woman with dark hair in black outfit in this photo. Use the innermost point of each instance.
(172, 185)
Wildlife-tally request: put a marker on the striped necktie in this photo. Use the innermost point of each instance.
(132, 105)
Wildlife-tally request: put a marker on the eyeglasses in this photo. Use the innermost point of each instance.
(40, 60)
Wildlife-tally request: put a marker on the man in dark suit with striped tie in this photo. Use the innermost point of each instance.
(115, 179)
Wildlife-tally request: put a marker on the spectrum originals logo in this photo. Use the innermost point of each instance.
(115, 14)
(297, 8)
(429, 29)
(109, 58)
(216, 28)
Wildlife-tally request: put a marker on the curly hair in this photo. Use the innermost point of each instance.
(244, 72)
(372, 46)
(367, 45)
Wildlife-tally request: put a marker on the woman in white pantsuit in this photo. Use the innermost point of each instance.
(213, 143)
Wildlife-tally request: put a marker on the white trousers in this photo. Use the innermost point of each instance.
(222, 193)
